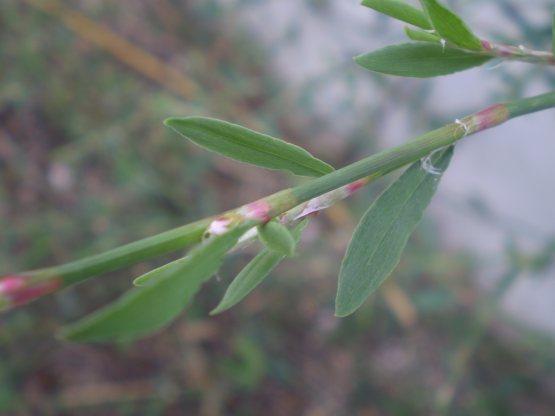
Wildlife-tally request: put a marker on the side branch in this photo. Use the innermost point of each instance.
(518, 53)
(290, 204)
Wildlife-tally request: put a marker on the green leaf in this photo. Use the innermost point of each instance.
(420, 60)
(401, 11)
(151, 277)
(450, 26)
(277, 238)
(422, 36)
(378, 241)
(248, 146)
(143, 310)
(253, 274)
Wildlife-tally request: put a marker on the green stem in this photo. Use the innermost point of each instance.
(20, 288)
(531, 105)
(125, 255)
(382, 163)
(518, 53)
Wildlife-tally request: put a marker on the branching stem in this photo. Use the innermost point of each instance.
(16, 289)
(518, 53)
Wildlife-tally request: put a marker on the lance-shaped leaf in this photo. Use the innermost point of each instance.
(401, 11)
(422, 36)
(378, 241)
(253, 274)
(153, 276)
(450, 26)
(248, 146)
(420, 60)
(144, 310)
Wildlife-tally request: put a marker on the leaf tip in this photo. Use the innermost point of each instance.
(342, 309)
(76, 332)
(173, 122)
(217, 310)
(343, 312)
(68, 334)
(139, 281)
(169, 121)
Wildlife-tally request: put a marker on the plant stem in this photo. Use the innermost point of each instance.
(16, 289)
(127, 254)
(518, 53)
(531, 105)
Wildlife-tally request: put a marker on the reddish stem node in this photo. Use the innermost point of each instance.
(16, 290)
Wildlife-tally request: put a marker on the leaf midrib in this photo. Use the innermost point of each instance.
(266, 152)
(390, 226)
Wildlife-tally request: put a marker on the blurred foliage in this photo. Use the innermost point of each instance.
(85, 164)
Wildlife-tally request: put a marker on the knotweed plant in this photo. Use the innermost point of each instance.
(440, 43)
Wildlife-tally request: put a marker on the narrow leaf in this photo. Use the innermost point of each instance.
(153, 276)
(420, 60)
(450, 26)
(376, 246)
(248, 146)
(143, 310)
(253, 274)
(401, 11)
(422, 36)
(277, 238)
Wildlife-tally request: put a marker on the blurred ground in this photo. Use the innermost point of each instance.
(85, 164)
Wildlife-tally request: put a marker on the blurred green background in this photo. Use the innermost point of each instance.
(86, 164)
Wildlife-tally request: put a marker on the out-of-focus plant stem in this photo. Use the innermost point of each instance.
(106, 39)
(293, 203)
(447, 392)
